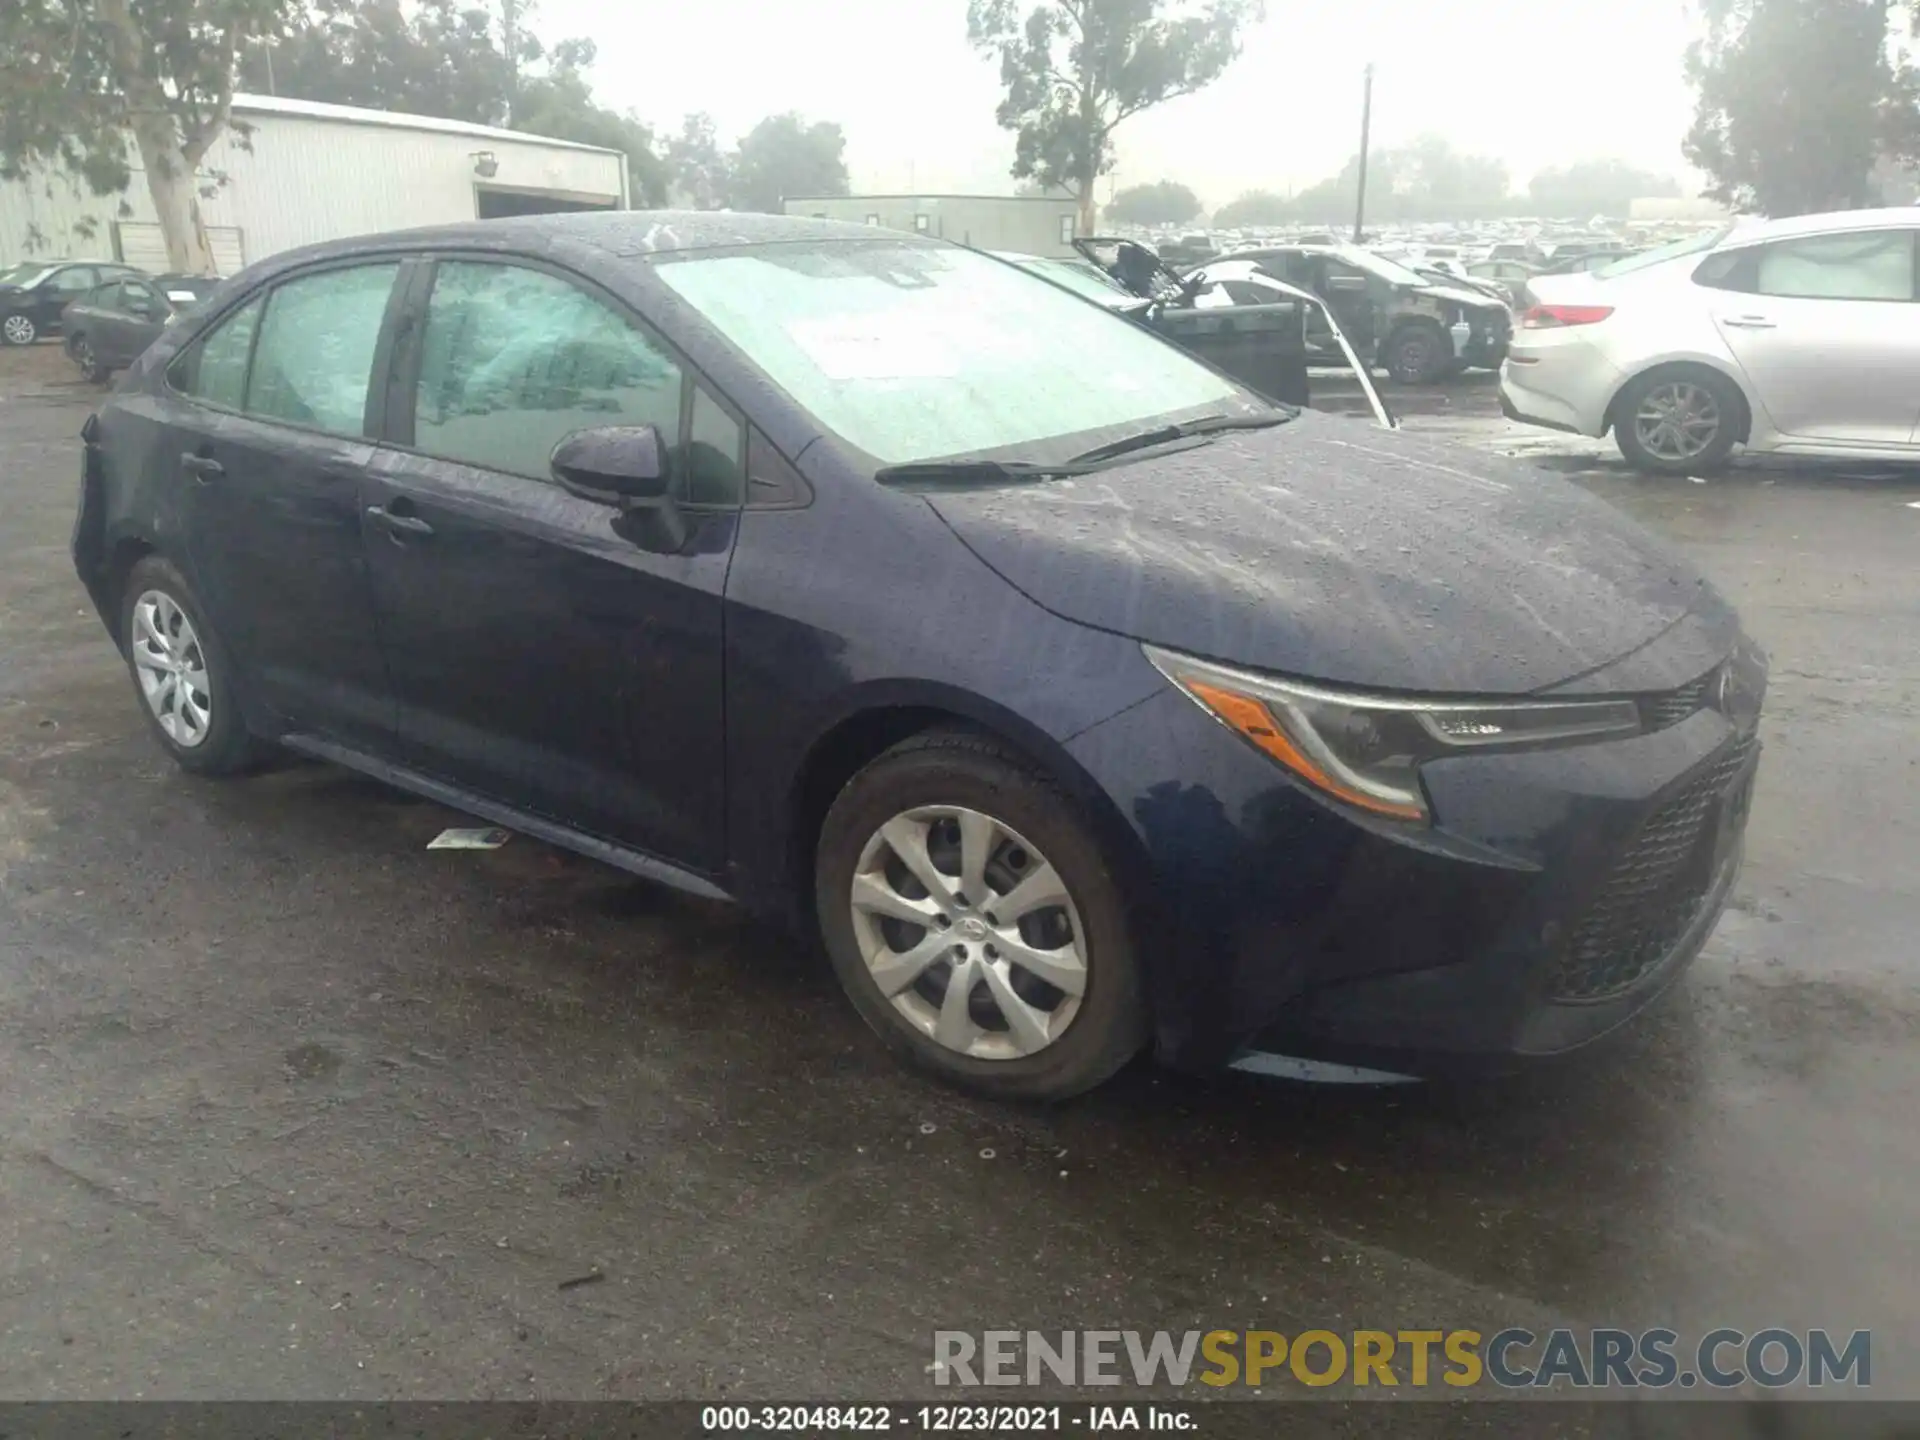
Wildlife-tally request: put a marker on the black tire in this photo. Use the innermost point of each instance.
(957, 768)
(1731, 408)
(1418, 354)
(18, 330)
(227, 748)
(80, 351)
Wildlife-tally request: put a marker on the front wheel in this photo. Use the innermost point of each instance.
(1418, 354)
(973, 921)
(19, 330)
(1677, 422)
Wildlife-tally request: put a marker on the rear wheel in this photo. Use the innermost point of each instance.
(973, 921)
(88, 363)
(19, 330)
(1677, 422)
(1418, 354)
(182, 673)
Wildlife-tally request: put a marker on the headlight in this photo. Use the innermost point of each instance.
(1366, 750)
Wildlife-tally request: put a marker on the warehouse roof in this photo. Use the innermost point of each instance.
(356, 115)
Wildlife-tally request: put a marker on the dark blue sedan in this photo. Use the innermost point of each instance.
(1079, 699)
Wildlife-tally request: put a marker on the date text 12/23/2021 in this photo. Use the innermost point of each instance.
(961, 1419)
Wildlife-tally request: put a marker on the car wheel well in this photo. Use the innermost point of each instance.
(862, 738)
(836, 758)
(120, 562)
(1743, 419)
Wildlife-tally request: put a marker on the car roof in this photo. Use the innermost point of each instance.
(630, 232)
(1904, 216)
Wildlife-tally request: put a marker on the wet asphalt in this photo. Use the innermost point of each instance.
(291, 1107)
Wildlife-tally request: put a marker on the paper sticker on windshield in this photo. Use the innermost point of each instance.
(874, 347)
(182, 297)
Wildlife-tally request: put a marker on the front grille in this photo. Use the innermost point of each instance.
(1670, 708)
(1654, 890)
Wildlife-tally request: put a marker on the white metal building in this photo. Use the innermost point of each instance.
(1033, 224)
(319, 172)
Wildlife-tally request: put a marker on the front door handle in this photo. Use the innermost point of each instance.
(203, 468)
(398, 525)
(1748, 322)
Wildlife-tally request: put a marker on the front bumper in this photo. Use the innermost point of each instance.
(1559, 892)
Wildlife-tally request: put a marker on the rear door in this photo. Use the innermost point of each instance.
(1828, 332)
(543, 652)
(268, 439)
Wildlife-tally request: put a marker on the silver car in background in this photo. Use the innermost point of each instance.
(1798, 336)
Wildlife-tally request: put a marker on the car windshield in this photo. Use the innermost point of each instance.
(1692, 245)
(917, 352)
(27, 276)
(1378, 265)
(1080, 278)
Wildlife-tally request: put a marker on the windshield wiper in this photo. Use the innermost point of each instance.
(975, 472)
(1186, 430)
(999, 472)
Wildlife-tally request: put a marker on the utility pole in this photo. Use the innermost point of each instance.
(510, 37)
(1366, 127)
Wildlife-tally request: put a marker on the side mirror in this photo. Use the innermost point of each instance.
(623, 466)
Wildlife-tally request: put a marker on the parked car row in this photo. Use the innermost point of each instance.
(1076, 697)
(105, 311)
(35, 295)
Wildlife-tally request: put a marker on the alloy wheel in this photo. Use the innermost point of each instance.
(172, 668)
(19, 330)
(1677, 420)
(969, 932)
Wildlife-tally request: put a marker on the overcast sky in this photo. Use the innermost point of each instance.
(1536, 82)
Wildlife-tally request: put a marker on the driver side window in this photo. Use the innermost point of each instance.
(513, 360)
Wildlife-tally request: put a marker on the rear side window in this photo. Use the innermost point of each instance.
(514, 360)
(1866, 265)
(76, 280)
(214, 367)
(313, 365)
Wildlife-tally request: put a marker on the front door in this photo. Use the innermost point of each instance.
(270, 444)
(1828, 332)
(60, 290)
(543, 653)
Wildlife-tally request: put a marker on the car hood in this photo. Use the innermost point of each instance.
(1461, 295)
(1332, 550)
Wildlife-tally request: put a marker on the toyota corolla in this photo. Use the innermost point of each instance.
(1079, 700)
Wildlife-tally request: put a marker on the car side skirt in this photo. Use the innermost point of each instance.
(634, 862)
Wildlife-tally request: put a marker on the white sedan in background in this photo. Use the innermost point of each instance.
(1798, 336)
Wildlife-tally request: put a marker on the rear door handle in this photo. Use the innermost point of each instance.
(1748, 322)
(398, 525)
(203, 468)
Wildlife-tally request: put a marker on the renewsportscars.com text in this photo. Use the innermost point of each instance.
(1515, 1358)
